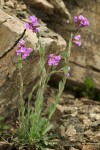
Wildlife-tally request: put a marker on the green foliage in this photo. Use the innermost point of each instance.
(34, 132)
(88, 90)
(3, 126)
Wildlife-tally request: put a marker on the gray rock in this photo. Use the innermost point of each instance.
(43, 5)
(11, 31)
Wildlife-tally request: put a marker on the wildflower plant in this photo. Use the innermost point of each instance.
(34, 129)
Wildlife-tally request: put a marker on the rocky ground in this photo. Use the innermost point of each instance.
(76, 120)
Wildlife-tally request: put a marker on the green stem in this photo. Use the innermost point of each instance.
(67, 56)
(22, 109)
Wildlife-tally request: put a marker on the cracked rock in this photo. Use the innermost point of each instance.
(11, 31)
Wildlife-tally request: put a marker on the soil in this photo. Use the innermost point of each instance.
(76, 120)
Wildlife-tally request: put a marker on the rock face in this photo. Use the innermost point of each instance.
(11, 31)
(44, 5)
(60, 8)
(48, 7)
(1, 3)
(56, 14)
(85, 60)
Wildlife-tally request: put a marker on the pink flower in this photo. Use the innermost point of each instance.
(81, 21)
(68, 75)
(26, 53)
(53, 60)
(22, 50)
(77, 40)
(22, 42)
(32, 24)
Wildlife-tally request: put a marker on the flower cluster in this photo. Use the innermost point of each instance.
(77, 40)
(22, 50)
(53, 60)
(81, 21)
(32, 24)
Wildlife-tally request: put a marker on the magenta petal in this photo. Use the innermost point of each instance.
(53, 60)
(33, 18)
(57, 58)
(75, 19)
(51, 55)
(29, 50)
(18, 52)
(67, 75)
(26, 26)
(36, 30)
(22, 42)
(23, 49)
(81, 21)
(32, 24)
(77, 40)
(77, 37)
(77, 43)
(50, 62)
